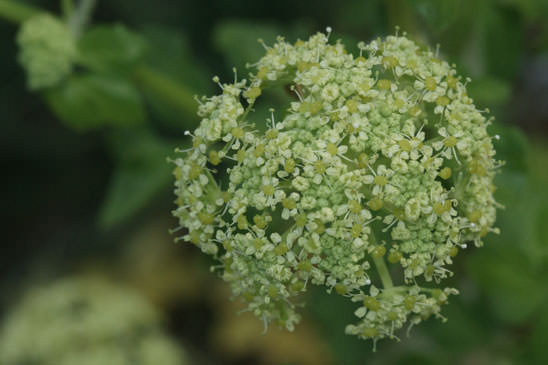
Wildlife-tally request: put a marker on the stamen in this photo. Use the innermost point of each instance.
(218, 82)
(328, 30)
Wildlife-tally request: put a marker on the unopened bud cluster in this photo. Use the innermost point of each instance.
(371, 180)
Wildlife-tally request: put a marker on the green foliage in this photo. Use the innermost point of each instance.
(512, 284)
(173, 75)
(489, 91)
(535, 351)
(93, 100)
(47, 51)
(238, 41)
(111, 48)
(169, 51)
(438, 15)
(512, 146)
(141, 172)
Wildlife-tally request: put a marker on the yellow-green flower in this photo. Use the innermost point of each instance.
(380, 156)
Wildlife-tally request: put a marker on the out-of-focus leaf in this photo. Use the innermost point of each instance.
(530, 9)
(238, 41)
(332, 313)
(510, 268)
(518, 221)
(512, 146)
(172, 66)
(503, 42)
(536, 351)
(536, 160)
(89, 101)
(141, 172)
(489, 91)
(462, 323)
(171, 99)
(360, 16)
(111, 48)
(438, 15)
(170, 53)
(513, 287)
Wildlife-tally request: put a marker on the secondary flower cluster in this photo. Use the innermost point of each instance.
(377, 157)
(47, 50)
(85, 320)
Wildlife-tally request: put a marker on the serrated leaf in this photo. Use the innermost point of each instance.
(92, 100)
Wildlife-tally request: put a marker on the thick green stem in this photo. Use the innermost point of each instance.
(81, 16)
(67, 7)
(16, 12)
(165, 89)
(382, 269)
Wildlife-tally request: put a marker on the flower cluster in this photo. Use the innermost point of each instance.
(86, 321)
(379, 157)
(47, 50)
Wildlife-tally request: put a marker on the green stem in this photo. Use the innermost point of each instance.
(81, 16)
(168, 91)
(16, 12)
(68, 7)
(382, 269)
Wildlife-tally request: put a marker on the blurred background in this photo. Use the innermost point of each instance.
(86, 188)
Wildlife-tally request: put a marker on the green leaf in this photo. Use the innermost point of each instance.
(463, 323)
(141, 172)
(90, 101)
(503, 43)
(321, 307)
(168, 98)
(536, 351)
(512, 146)
(111, 48)
(518, 221)
(171, 78)
(360, 17)
(489, 91)
(438, 15)
(170, 53)
(514, 289)
(238, 41)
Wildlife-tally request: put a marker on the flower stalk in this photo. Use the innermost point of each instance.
(384, 274)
